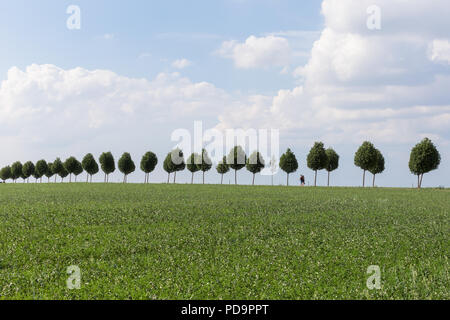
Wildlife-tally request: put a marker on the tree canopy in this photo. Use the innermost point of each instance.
(191, 164)
(223, 168)
(424, 158)
(332, 163)
(107, 164)
(236, 160)
(148, 164)
(16, 170)
(28, 169)
(365, 158)
(288, 163)
(126, 165)
(317, 159)
(378, 167)
(255, 163)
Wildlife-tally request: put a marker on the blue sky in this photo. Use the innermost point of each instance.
(138, 70)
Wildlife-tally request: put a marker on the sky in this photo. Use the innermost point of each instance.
(133, 73)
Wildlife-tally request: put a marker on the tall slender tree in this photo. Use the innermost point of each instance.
(255, 163)
(204, 164)
(332, 163)
(90, 166)
(222, 168)
(16, 170)
(107, 164)
(126, 166)
(57, 168)
(41, 168)
(28, 170)
(424, 158)
(71, 166)
(317, 159)
(236, 160)
(365, 158)
(191, 165)
(288, 163)
(78, 170)
(378, 167)
(148, 164)
(168, 166)
(63, 173)
(177, 158)
(49, 172)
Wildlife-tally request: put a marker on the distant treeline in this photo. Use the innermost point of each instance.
(423, 159)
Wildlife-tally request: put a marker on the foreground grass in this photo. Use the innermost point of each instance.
(222, 242)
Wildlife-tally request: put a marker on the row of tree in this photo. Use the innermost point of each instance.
(424, 158)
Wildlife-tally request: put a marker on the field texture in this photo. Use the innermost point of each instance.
(222, 242)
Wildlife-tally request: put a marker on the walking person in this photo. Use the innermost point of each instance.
(302, 180)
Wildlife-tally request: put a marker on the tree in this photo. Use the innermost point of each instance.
(168, 166)
(90, 166)
(317, 159)
(223, 168)
(16, 170)
(255, 163)
(365, 158)
(107, 164)
(5, 173)
(63, 173)
(332, 163)
(177, 158)
(126, 166)
(49, 172)
(71, 166)
(41, 168)
(424, 158)
(191, 164)
(288, 163)
(236, 160)
(148, 164)
(57, 167)
(28, 170)
(378, 167)
(204, 164)
(78, 170)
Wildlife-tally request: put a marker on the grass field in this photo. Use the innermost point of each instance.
(222, 242)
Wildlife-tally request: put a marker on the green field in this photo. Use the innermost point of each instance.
(222, 242)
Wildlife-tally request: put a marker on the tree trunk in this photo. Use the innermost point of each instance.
(55, 178)
(315, 179)
(192, 178)
(91, 178)
(203, 177)
(253, 180)
(221, 179)
(421, 179)
(364, 178)
(87, 177)
(287, 179)
(124, 176)
(373, 184)
(175, 178)
(235, 176)
(168, 178)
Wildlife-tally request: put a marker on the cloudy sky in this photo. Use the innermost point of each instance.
(136, 71)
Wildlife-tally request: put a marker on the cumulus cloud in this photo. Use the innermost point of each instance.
(382, 85)
(54, 107)
(440, 51)
(257, 52)
(181, 63)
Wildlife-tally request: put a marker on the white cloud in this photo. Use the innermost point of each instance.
(363, 84)
(257, 52)
(181, 63)
(440, 51)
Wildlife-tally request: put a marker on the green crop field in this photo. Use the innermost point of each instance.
(222, 242)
